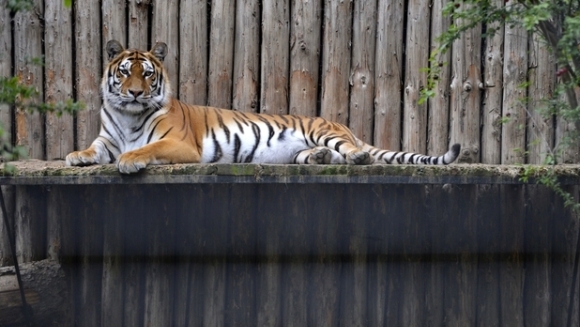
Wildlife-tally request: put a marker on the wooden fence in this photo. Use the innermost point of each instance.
(356, 62)
(251, 245)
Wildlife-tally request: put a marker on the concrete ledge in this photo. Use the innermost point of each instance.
(35, 172)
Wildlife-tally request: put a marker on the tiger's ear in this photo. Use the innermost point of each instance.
(159, 50)
(114, 48)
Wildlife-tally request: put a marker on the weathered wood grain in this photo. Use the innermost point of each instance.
(6, 257)
(353, 275)
(336, 38)
(362, 71)
(89, 267)
(58, 77)
(159, 278)
(438, 120)
(246, 74)
(493, 95)
(515, 69)
(221, 60)
(138, 23)
(28, 36)
(542, 84)
(389, 75)
(488, 208)
(165, 28)
(87, 70)
(114, 25)
(537, 241)
(305, 29)
(29, 223)
(511, 272)
(275, 54)
(417, 54)
(113, 281)
(193, 52)
(6, 62)
(465, 95)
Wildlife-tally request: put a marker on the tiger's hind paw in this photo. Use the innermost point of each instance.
(320, 156)
(359, 158)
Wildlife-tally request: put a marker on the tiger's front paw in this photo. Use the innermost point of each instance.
(359, 158)
(82, 158)
(130, 162)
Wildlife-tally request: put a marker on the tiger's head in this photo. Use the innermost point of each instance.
(134, 80)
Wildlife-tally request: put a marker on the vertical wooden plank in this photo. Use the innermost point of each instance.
(6, 258)
(325, 271)
(304, 56)
(436, 206)
(88, 70)
(537, 240)
(413, 247)
(565, 129)
(56, 211)
(461, 246)
(30, 223)
(353, 280)
(247, 56)
(378, 229)
(270, 229)
(296, 247)
(216, 244)
(362, 71)
(165, 28)
(159, 278)
(193, 52)
(138, 24)
(243, 276)
(114, 24)
(438, 122)
(465, 95)
(27, 47)
(90, 267)
(488, 208)
(221, 58)
(112, 282)
(6, 124)
(566, 229)
(493, 95)
(135, 251)
(6, 64)
(417, 43)
(59, 79)
(389, 75)
(275, 57)
(515, 71)
(511, 271)
(336, 38)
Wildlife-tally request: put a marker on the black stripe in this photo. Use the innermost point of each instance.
(330, 138)
(111, 155)
(411, 158)
(153, 131)
(223, 126)
(281, 136)
(311, 136)
(237, 146)
(382, 155)
(164, 134)
(338, 144)
(107, 131)
(270, 129)
(117, 128)
(144, 121)
(256, 131)
(217, 155)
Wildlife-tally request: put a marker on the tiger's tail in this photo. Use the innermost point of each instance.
(399, 157)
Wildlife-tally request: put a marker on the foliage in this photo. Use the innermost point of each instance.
(15, 94)
(557, 22)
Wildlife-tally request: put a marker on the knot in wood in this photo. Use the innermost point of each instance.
(467, 87)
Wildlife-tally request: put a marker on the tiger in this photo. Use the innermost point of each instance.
(142, 124)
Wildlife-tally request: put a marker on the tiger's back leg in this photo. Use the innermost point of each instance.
(319, 155)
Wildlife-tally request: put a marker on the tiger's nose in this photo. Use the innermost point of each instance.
(135, 93)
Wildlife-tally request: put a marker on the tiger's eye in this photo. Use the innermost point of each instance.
(148, 73)
(124, 71)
